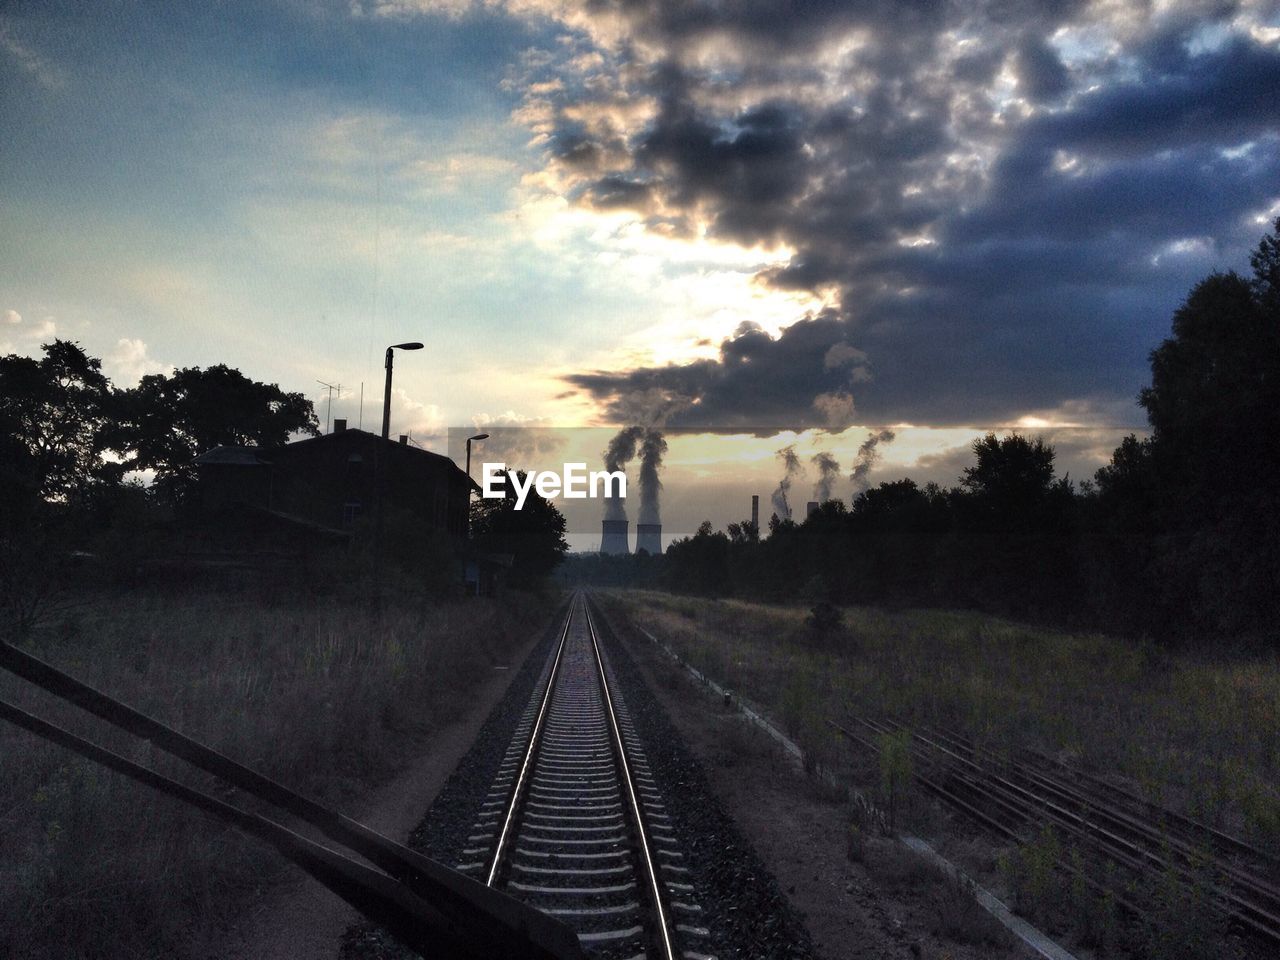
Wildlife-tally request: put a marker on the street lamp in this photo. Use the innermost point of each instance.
(386, 396)
(478, 436)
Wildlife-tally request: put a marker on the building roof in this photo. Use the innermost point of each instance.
(254, 456)
(235, 456)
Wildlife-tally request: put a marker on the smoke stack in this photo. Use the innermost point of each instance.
(810, 509)
(404, 438)
(755, 512)
(339, 426)
(649, 538)
(614, 539)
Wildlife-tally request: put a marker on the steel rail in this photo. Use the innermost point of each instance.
(1188, 833)
(1261, 914)
(1136, 856)
(651, 870)
(1024, 805)
(1086, 807)
(535, 740)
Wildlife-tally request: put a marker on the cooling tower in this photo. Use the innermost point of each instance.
(614, 539)
(649, 537)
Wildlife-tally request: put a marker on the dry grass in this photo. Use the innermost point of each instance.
(1197, 733)
(322, 696)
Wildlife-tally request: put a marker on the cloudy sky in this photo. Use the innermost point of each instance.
(757, 218)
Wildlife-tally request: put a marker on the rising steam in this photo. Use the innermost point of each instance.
(652, 449)
(868, 456)
(792, 469)
(621, 450)
(828, 474)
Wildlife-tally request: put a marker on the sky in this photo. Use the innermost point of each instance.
(754, 222)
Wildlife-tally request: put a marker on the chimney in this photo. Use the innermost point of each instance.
(614, 540)
(404, 438)
(649, 537)
(810, 509)
(339, 426)
(755, 512)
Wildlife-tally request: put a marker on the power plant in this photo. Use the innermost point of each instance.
(650, 444)
(614, 540)
(649, 538)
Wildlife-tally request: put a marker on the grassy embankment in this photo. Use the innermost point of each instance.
(321, 696)
(1194, 732)
(1197, 733)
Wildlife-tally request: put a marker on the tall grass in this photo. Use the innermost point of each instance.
(1199, 733)
(324, 697)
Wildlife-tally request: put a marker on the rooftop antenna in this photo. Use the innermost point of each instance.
(329, 408)
(361, 427)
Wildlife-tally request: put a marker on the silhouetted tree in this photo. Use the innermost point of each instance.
(1206, 479)
(534, 535)
(1013, 521)
(53, 414)
(1010, 483)
(699, 564)
(169, 420)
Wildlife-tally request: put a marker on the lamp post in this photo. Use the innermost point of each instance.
(478, 436)
(386, 396)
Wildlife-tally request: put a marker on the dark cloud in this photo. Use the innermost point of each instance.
(758, 383)
(1040, 73)
(993, 247)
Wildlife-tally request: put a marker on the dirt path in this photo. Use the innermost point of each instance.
(300, 919)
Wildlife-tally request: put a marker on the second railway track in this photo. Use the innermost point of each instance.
(575, 823)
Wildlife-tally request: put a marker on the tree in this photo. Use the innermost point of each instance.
(1011, 479)
(1013, 520)
(1127, 487)
(1201, 488)
(1265, 262)
(1212, 403)
(53, 415)
(534, 535)
(169, 420)
(699, 564)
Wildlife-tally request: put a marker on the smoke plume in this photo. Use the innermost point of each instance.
(792, 469)
(828, 473)
(652, 449)
(621, 450)
(868, 456)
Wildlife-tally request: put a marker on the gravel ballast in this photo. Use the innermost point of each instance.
(745, 911)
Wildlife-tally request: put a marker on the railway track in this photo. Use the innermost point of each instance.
(1015, 798)
(574, 822)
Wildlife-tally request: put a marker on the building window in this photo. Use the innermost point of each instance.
(350, 510)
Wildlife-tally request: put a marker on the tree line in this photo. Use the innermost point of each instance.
(1178, 534)
(75, 449)
(90, 469)
(70, 436)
